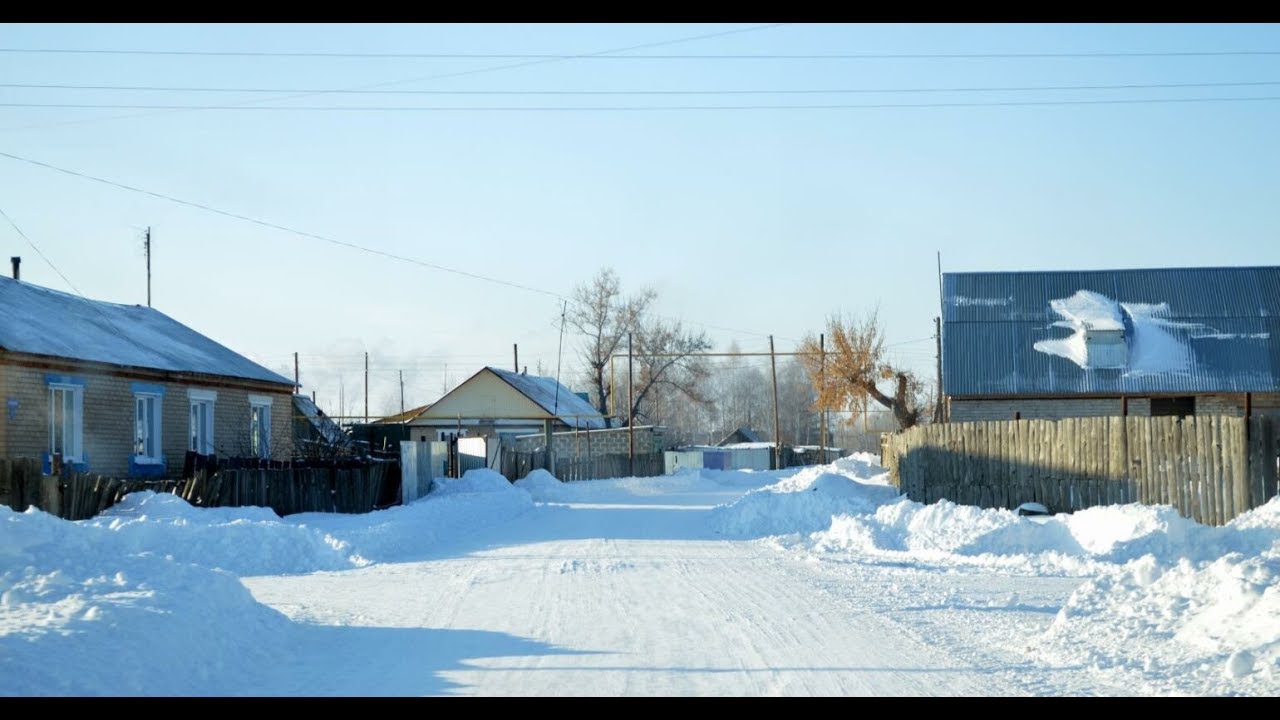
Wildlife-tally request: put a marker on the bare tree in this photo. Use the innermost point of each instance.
(604, 316)
(855, 367)
(665, 365)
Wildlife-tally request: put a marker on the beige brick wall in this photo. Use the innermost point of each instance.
(109, 417)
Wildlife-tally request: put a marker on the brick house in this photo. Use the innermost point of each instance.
(125, 390)
(1170, 341)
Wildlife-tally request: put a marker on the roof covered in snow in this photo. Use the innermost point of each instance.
(555, 398)
(40, 321)
(741, 435)
(1171, 330)
(322, 424)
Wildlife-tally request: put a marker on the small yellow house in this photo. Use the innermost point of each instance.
(496, 403)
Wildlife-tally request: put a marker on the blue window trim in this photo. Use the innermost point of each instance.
(53, 379)
(137, 469)
(141, 388)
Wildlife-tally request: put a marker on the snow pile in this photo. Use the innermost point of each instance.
(482, 480)
(82, 612)
(540, 484)
(1204, 602)
(1155, 349)
(454, 508)
(803, 502)
(241, 540)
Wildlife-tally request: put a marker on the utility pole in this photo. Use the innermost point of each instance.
(822, 384)
(515, 357)
(295, 373)
(937, 336)
(147, 244)
(631, 411)
(366, 386)
(402, 391)
(777, 428)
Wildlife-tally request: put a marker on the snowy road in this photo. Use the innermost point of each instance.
(627, 598)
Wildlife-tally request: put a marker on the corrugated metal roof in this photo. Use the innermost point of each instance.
(41, 321)
(555, 398)
(1210, 330)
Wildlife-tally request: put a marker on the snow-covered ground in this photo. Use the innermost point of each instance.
(812, 581)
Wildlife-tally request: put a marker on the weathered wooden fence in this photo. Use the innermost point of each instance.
(288, 490)
(1211, 468)
(602, 467)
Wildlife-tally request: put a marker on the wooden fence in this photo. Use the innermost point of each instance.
(1211, 468)
(286, 491)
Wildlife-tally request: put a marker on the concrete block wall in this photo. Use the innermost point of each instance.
(613, 441)
(108, 424)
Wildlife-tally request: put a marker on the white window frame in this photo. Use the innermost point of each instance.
(72, 436)
(260, 444)
(144, 434)
(206, 400)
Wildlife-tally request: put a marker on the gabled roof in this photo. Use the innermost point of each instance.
(404, 417)
(1184, 330)
(40, 321)
(741, 435)
(555, 398)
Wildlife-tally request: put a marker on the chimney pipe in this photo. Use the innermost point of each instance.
(16, 262)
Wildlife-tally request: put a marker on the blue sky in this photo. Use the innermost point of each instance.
(762, 221)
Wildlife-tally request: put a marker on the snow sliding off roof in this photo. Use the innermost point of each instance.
(40, 321)
(1175, 330)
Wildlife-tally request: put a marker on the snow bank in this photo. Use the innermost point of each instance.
(242, 540)
(482, 480)
(803, 502)
(83, 613)
(542, 485)
(1179, 625)
(454, 509)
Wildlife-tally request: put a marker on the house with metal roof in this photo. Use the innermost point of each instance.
(1170, 341)
(501, 403)
(127, 390)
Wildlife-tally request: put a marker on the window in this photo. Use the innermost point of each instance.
(200, 438)
(66, 421)
(260, 425)
(1176, 406)
(147, 418)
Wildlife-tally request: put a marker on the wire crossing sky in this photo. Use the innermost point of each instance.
(332, 189)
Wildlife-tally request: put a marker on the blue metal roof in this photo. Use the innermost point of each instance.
(41, 321)
(1189, 330)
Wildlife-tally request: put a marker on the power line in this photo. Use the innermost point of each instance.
(595, 56)
(774, 91)
(303, 233)
(461, 73)
(633, 108)
(65, 279)
(283, 228)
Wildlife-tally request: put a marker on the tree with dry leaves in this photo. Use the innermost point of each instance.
(855, 368)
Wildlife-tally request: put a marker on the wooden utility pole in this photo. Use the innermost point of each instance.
(147, 244)
(402, 391)
(822, 384)
(937, 336)
(515, 357)
(366, 387)
(295, 373)
(777, 427)
(631, 411)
